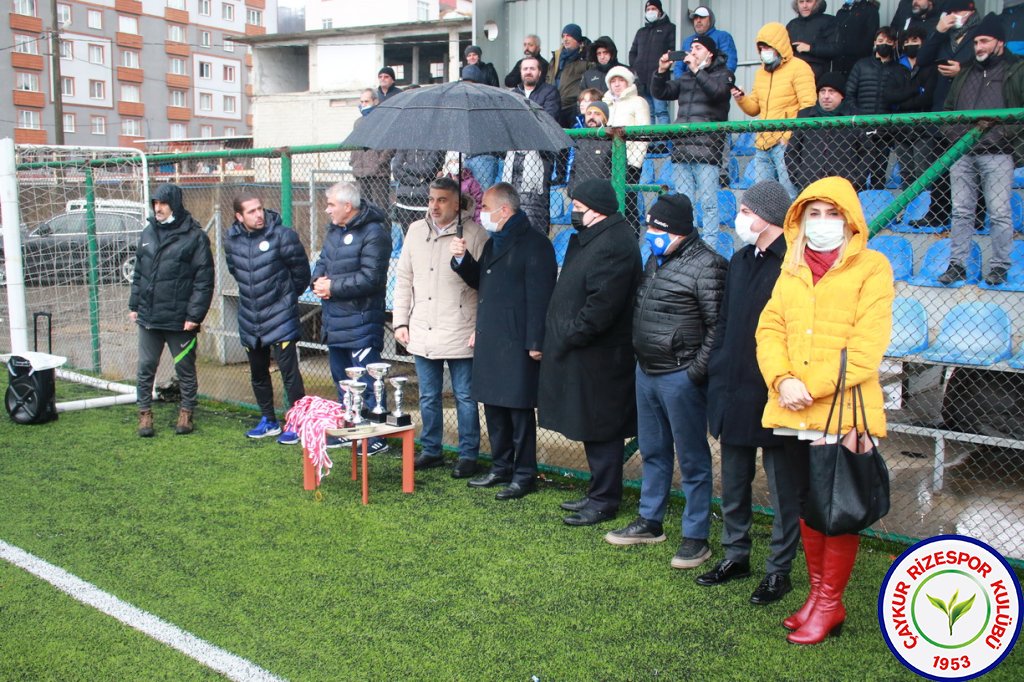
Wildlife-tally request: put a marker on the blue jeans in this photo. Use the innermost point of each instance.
(342, 358)
(431, 378)
(699, 181)
(659, 109)
(672, 416)
(484, 168)
(770, 164)
(993, 174)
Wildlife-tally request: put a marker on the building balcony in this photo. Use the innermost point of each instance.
(179, 82)
(248, 90)
(248, 60)
(132, 40)
(248, 120)
(26, 24)
(179, 114)
(177, 49)
(178, 16)
(128, 6)
(130, 141)
(30, 62)
(129, 75)
(27, 136)
(27, 98)
(256, 4)
(131, 109)
(253, 30)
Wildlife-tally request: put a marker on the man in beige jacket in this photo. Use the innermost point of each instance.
(435, 317)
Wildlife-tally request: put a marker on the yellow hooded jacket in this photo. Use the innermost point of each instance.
(780, 93)
(804, 327)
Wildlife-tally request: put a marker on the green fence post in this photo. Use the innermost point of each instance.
(286, 186)
(619, 168)
(94, 266)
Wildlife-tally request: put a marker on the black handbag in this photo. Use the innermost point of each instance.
(849, 482)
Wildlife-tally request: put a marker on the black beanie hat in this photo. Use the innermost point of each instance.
(991, 26)
(709, 44)
(598, 195)
(672, 213)
(834, 80)
(388, 70)
(656, 3)
(473, 48)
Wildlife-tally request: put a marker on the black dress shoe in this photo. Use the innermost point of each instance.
(464, 468)
(588, 516)
(774, 587)
(489, 480)
(513, 491)
(725, 571)
(575, 505)
(425, 461)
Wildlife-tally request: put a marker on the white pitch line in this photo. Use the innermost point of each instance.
(228, 664)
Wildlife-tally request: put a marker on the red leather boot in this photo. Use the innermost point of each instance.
(814, 551)
(829, 614)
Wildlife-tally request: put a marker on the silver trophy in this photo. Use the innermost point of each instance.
(397, 417)
(356, 389)
(379, 371)
(355, 374)
(346, 401)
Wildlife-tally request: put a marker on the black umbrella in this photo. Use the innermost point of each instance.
(462, 117)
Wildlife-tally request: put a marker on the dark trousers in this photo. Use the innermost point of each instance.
(286, 355)
(513, 435)
(632, 203)
(605, 459)
(341, 358)
(182, 345)
(786, 471)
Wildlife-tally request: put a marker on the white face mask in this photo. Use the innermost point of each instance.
(958, 21)
(824, 234)
(768, 56)
(488, 222)
(743, 231)
(651, 15)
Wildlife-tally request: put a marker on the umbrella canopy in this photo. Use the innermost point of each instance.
(459, 117)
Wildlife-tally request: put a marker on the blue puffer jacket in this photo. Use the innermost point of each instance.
(355, 258)
(272, 270)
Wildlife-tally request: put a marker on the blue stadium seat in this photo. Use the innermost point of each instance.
(743, 145)
(747, 179)
(909, 328)
(1016, 215)
(561, 243)
(733, 171)
(916, 210)
(725, 245)
(872, 201)
(936, 260)
(895, 180)
(1015, 276)
(899, 252)
(560, 206)
(397, 240)
(667, 177)
(727, 209)
(973, 334)
(1017, 361)
(389, 296)
(1018, 178)
(647, 171)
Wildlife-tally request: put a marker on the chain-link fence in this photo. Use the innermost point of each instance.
(936, 189)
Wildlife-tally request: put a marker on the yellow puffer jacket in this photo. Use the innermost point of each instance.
(780, 93)
(804, 327)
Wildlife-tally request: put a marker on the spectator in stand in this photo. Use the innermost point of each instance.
(911, 13)
(656, 37)
(484, 167)
(703, 21)
(413, 170)
(819, 153)
(1013, 21)
(531, 48)
(586, 98)
(809, 31)
(874, 87)
(386, 84)
(568, 64)
(852, 32)
(989, 165)
(627, 108)
(592, 157)
(917, 147)
(703, 96)
(782, 87)
(604, 56)
(473, 55)
(372, 167)
(530, 172)
(468, 184)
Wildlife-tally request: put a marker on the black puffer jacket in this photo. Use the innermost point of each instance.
(173, 281)
(816, 153)
(676, 310)
(413, 170)
(594, 77)
(703, 97)
(814, 29)
(852, 35)
(875, 87)
(652, 40)
(272, 270)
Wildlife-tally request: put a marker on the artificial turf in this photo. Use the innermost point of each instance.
(214, 533)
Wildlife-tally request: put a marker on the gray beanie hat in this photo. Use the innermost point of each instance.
(769, 200)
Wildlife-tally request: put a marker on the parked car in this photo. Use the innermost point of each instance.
(58, 249)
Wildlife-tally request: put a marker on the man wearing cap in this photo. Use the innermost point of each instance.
(703, 95)
(568, 64)
(675, 316)
(703, 22)
(473, 56)
(993, 80)
(737, 395)
(386, 84)
(531, 48)
(592, 157)
(656, 37)
(817, 153)
(586, 378)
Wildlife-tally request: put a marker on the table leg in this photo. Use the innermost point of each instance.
(355, 445)
(408, 476)
(366, 473)
(308, 472)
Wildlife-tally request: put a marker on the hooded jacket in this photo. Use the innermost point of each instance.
(726, 45)
(629, 109)
(703, 97)
(355, 258)
(805, 326)
(594, 77)
(781, 92)
(814, 29)
(652, 40)
(173, 280)
(272, 271)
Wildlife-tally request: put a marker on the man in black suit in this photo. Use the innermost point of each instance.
(514, 277)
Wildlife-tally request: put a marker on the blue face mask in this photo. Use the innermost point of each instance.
(365, 111)
(659, 243)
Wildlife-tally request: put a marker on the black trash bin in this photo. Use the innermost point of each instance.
(30, 396)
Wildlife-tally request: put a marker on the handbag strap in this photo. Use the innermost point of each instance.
(840, 390)
(858, 397)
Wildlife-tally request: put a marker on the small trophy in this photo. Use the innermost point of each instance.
(346, 401)
(356, 389)
(355, 374)
(397, 417)
(378, 370)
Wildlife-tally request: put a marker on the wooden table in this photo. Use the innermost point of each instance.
(364, 434)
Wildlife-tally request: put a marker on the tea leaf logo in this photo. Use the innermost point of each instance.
(953, 610)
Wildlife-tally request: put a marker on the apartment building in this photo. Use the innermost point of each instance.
(131, 69)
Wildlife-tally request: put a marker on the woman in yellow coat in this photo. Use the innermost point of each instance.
(833, 293)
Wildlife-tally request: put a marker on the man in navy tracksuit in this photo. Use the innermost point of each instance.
(350, 278)
(270, 264)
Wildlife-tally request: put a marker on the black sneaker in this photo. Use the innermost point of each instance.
(377, 448)
(692, 553)
(954, 273)
(639, 532)
(996, 276)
